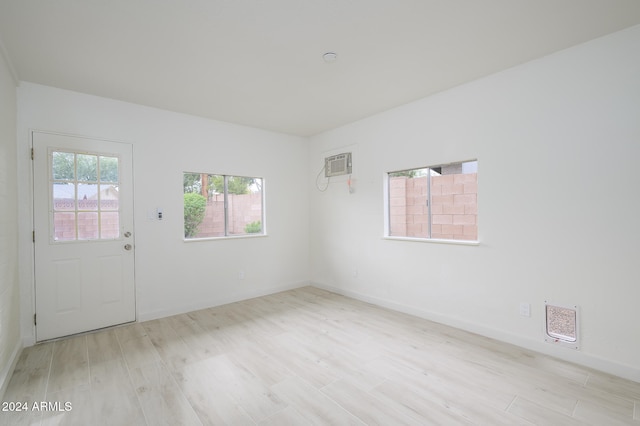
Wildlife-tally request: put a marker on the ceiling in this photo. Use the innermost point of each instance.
(259, 62)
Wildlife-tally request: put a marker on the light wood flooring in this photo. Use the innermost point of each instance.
(307, 357)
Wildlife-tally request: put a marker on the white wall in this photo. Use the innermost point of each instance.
(173, 276)
(10, 344)
(558, 143)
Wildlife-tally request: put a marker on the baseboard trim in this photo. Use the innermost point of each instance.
(29, 340)
(208, 303)
(577, 357)
(7, 372)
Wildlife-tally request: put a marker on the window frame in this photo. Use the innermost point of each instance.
(227, 236)
(387, 207)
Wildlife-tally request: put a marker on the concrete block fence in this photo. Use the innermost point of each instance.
(454, 206)
(64, 219)
(243, 209)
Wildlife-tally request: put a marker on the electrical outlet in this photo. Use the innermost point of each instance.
(525, 309)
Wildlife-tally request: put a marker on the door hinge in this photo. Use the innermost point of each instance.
(34, 320)
(34, 236)
(32, 153)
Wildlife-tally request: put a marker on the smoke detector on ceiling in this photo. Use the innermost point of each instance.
(330, 57)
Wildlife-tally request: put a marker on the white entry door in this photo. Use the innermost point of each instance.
(83, 233)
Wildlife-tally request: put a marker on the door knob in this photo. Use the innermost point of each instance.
(127, 246)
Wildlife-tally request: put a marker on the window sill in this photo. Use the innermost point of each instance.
(433, 240)
(228, 237)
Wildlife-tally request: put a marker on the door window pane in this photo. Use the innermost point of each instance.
(64, 196)
(65, 226)
(87, 226)
(87, 168)
(109, 225)
(108, 169)
(64, 166)
(88, 196)
(93, 205)
(109, 198)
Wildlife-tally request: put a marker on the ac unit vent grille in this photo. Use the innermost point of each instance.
(337, 165)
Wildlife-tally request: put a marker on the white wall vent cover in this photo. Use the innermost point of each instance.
(337, 165)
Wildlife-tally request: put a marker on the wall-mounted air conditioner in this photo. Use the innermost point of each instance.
(337, 165)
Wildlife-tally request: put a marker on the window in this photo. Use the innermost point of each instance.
(84, 190)
(434, 203)
(222, 206)
(561, 324)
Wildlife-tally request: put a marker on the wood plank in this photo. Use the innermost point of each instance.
(308, 356)
(209, 397)
(114, 401)
(136, 346)
(540, 415)
(103, 346)
(160, 397)
(69, 364)
(365, 406)
(315, 407)
(28, 384)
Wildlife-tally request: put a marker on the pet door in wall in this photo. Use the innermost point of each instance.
(561, 325)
